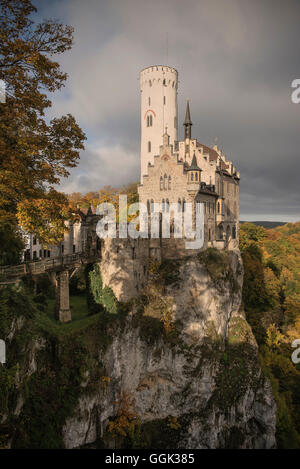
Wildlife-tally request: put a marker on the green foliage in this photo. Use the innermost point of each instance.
(67, 356)
(11, 244)
(101, 298)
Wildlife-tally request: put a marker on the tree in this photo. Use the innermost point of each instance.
(34, 154)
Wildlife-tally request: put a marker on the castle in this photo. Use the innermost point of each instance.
(173, 174)
(178, 172)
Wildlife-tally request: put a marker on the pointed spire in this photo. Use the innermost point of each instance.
(187, 123)
(194, 166)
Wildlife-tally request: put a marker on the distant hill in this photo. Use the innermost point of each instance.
(267, 224)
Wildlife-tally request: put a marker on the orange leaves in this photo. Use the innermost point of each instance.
(126, 418)
(45, 217)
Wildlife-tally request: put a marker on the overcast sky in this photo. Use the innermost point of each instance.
(236, 61)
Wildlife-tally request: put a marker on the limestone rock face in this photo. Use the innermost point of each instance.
(205, 373)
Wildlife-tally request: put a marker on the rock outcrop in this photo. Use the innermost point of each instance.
(200, 385)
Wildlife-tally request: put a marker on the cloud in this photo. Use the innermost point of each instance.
(100, 166)
(236, 63)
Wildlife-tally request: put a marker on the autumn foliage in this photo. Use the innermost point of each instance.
(34, 153)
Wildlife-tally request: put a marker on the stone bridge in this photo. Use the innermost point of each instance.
(60, 269)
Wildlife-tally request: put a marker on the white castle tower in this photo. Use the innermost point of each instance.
(158, 110)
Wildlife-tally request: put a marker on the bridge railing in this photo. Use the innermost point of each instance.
(39, 267)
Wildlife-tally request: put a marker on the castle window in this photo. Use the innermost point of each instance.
(148, 206)
(149, 101)
(192, 176)
(164, 100)
(161, 183)
(169, 183)
(149, 120)
(167, 205)
(152, 205)
(196, 176)
(165, 181)
(149, 147)
(164, 82)
(34, 240)
(233, 232)
(183, 205)
(163, 205)
(218, 207)
(74, 248)
(179, 205)
(209, 234)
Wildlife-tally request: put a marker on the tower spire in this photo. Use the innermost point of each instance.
(187, 122)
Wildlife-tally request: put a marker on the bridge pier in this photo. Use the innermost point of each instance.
(62, 306)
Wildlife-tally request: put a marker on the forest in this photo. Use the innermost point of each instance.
(271, 300)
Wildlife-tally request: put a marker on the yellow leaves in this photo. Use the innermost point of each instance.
(105, 380)
(173, 423)
(126, 419)
(274, 337)
(45, 217)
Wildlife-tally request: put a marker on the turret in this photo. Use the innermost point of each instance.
(194, 172)
(158, 110)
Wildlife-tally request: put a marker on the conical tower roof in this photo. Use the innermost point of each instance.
(194, 166)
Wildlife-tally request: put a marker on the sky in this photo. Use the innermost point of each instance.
(236, 61)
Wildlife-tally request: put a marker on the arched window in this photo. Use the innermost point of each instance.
(165, 182)
(179, 205)
(196, 176)
(163, 205)
(149, 147)
(167, 205)
(148, 206)
(169, 183)
(161, 183)
(150, 120)
(192, 176)
(152, 205)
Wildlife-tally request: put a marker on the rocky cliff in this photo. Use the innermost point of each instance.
(175, 368)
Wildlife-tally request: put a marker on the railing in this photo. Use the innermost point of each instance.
(44, 265)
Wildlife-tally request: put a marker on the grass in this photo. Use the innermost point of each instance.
(80, 317)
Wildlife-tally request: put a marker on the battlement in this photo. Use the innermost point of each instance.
(158, 75)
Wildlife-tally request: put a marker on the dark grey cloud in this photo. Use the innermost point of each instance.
(236, 60)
